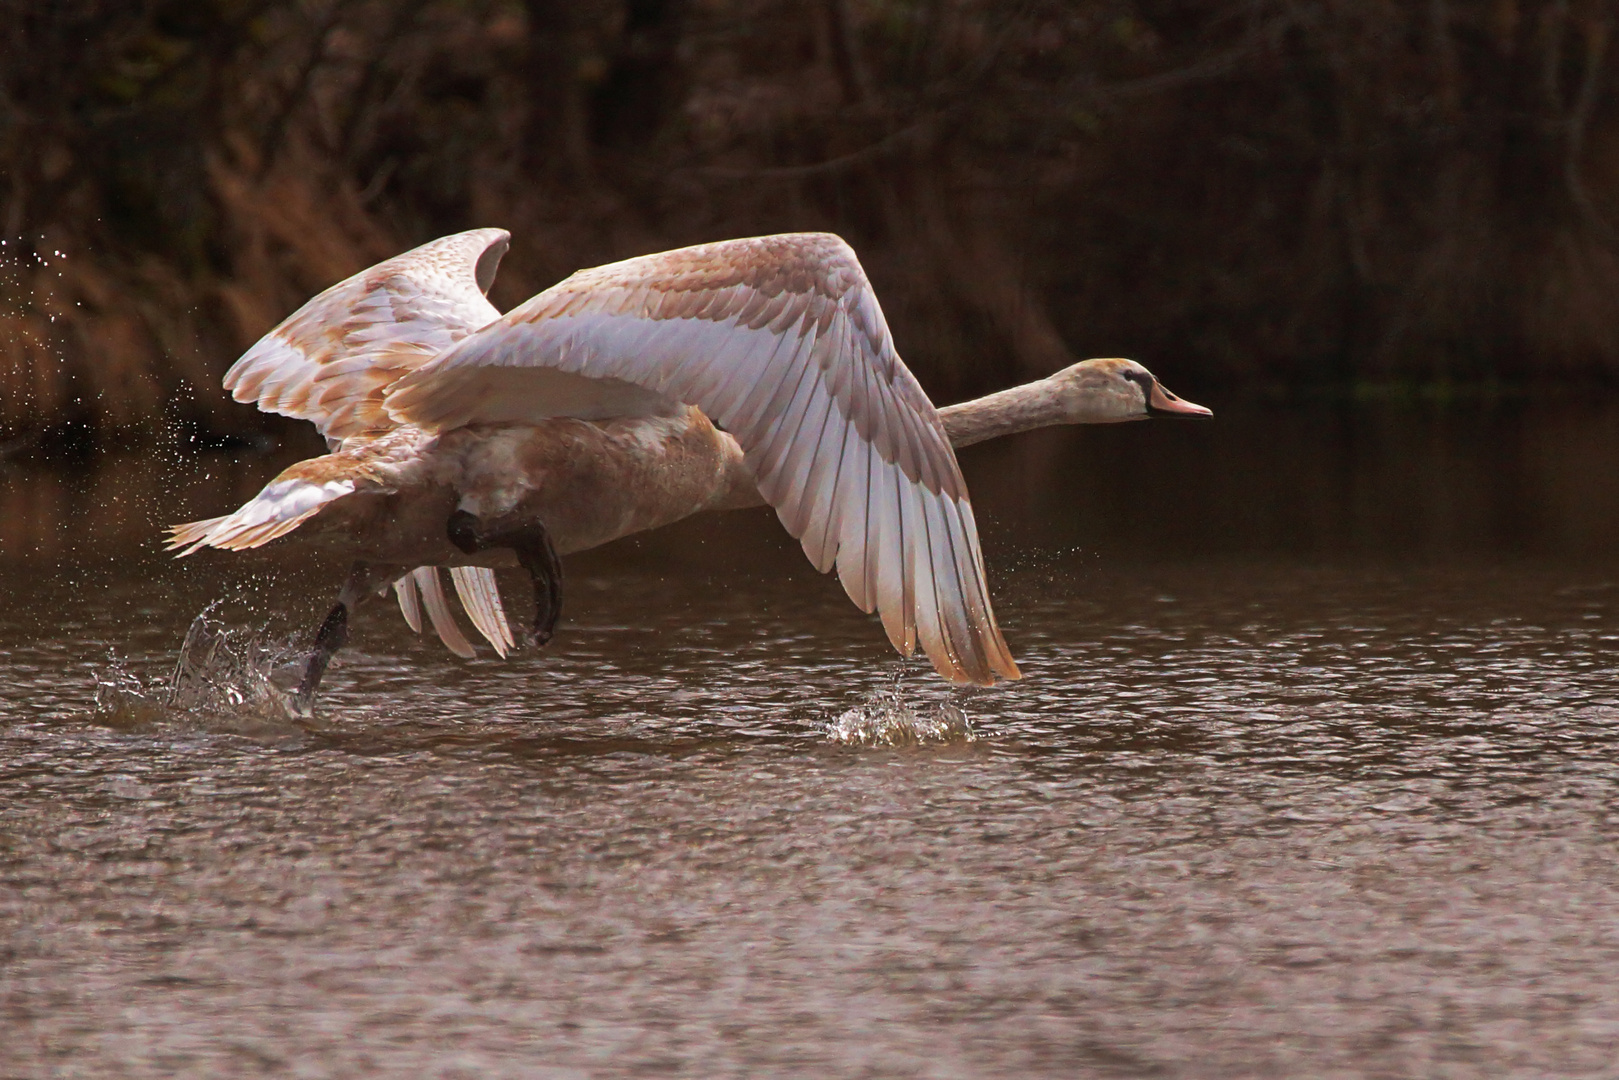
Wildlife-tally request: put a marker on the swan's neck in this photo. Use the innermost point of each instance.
(1022, 408)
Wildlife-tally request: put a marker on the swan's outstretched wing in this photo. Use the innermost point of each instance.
(781, 341)
(330, 360)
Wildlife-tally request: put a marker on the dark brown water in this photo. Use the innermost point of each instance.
(1314, 772)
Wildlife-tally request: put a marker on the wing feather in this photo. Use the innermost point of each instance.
(820, 516)
(480, 595)
(930, 630)
(410, 605)
(912, 551)
(331, 360)
(285, 503)
(438, 612)
(771, 464)
(878, 502)
(782, 342)
(808, 460)
(856, 533)
(759, 409)
(893, 603)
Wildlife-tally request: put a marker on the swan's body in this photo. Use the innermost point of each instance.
(588, 481)
(468, 439)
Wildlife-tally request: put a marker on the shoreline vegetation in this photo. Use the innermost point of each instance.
(1416, 200)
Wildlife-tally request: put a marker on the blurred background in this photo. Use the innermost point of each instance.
(1381, 239)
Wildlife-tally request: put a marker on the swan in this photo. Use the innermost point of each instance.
(627, 397)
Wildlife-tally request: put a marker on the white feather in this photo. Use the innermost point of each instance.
(438, 611)
(480, 595)
(410, 605)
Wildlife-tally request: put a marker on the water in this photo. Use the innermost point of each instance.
(1295, 785)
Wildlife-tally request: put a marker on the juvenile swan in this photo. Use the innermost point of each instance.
(627, 397)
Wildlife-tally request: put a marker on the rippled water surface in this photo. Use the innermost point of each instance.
(1244, 816)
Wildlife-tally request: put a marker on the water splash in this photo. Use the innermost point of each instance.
(225, 677)
(885, 718)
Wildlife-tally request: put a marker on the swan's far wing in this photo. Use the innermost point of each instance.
(781, 341)
(330, 360)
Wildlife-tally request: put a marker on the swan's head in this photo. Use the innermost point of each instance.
(1115, 390)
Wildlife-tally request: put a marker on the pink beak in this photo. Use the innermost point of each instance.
(1162, 401)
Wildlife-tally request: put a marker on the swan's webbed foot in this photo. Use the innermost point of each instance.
(535, 553)
(332, 636)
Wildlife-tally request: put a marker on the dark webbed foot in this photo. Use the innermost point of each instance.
(535, 553)
(332, 636)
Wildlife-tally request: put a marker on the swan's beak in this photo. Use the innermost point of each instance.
(1162, 403)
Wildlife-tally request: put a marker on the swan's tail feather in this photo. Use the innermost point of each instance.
(274, 512)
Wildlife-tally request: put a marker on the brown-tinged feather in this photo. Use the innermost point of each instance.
(331, 360)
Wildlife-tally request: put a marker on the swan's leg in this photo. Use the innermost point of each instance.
(535, 553)
(332, 636)
(544, 566)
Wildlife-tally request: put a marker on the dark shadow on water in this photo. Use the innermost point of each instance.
(1391, 480)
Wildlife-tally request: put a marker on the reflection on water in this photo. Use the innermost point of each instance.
(1245, 816)
(1516, 476)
